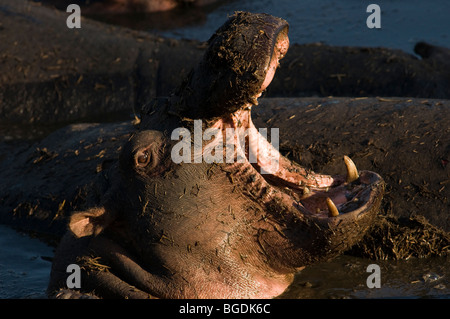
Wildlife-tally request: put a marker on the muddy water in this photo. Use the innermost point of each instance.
(403, 23)
(24, 265)
(25, 269)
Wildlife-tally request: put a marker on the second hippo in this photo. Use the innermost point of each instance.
(233, 219)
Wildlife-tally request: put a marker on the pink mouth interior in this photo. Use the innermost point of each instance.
(308, 191)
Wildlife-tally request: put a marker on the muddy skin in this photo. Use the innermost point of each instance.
(159, 218)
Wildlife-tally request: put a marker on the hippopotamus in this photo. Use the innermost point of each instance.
(216, 222)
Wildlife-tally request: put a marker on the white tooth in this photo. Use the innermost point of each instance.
(352, 171)
(332, 209)
(306, 191)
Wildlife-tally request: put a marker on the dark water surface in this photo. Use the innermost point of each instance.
(24, 265)
(403, 22)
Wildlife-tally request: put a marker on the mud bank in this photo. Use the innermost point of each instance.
(53, 74)
(405, 140)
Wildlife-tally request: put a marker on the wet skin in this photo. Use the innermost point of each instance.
(213, 230)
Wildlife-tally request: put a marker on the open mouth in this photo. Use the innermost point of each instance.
(238, 66)
(326, 197)
(318, 195)
(352, 197)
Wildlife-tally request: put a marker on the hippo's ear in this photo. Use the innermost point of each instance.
(90, 222)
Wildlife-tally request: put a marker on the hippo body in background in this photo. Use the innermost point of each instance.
(54, 74)
(323, 70)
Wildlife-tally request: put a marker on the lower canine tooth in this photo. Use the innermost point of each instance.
(332, 209)
(352, 171)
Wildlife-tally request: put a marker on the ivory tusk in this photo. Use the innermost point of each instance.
(332, 209)
(352, 171)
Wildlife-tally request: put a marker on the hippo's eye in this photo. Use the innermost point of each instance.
(143, 158)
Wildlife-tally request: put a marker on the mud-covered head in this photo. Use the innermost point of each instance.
(237, 66)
